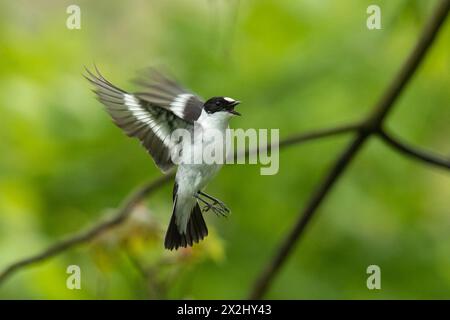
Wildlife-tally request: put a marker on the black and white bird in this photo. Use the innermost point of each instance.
(152, 115)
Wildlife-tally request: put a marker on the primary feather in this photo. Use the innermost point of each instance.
(150, 116)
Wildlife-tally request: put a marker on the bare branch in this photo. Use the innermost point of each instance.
(305, 137)
(136, 197)
(84, 236)
(427, 37)
(266, 277)
(380, 111)
(414, 153)
(295, 139)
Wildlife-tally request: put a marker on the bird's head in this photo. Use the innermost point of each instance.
(221, 106)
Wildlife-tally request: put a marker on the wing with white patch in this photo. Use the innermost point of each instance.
(164, 92)
(151, 124)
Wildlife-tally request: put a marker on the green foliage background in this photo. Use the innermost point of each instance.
(296, 65)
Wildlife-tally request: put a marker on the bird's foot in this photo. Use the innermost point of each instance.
(218, 208)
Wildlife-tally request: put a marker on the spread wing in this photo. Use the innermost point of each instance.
(151, 121)
(164, 92)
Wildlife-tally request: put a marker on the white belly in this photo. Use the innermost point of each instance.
(196, 169)
(192, 178)
(194, 173)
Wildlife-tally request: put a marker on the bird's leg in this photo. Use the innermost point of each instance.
(217, 206)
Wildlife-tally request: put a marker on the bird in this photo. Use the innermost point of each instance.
(152, 115)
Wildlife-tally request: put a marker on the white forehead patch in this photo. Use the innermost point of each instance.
(229, 99)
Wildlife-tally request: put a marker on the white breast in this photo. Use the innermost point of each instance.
(217, 120)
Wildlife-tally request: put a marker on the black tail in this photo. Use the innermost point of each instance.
(196, 229)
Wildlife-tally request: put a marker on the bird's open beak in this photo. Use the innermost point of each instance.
(231, 108)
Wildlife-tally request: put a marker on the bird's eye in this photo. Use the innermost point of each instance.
(217, 103)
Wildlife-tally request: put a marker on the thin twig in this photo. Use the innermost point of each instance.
(412, 152)
(380, 111)
(134, 198)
